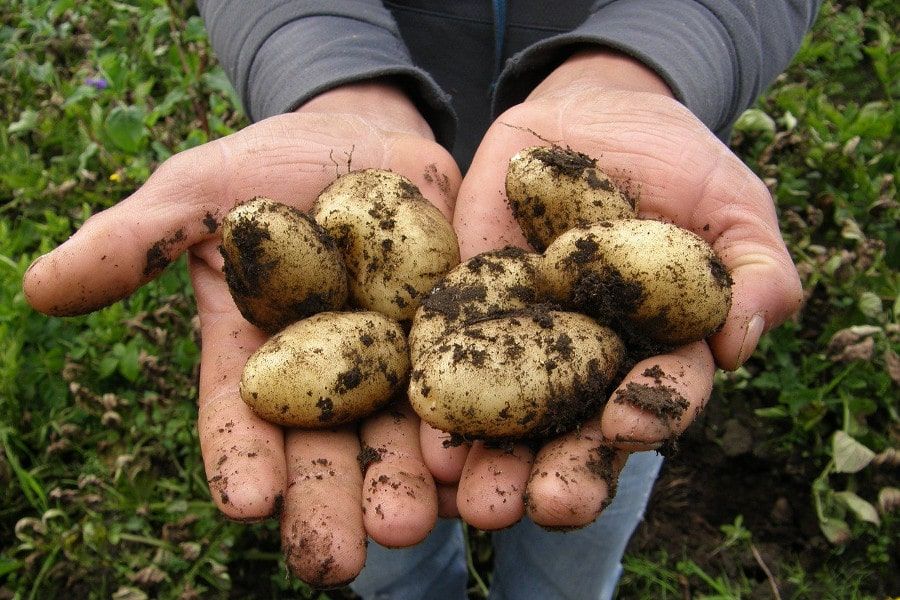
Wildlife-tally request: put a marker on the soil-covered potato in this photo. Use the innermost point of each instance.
(395, 243)
(280, 265)
(486, 285)
(531, 373)
(553, 189)
(329, 369)
(665, 281)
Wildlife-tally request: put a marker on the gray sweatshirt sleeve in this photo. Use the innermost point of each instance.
(717, 56)
(280, 53)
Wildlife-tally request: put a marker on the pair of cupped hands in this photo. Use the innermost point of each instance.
(599, 103)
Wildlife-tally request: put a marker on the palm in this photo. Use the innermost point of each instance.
(679, 172)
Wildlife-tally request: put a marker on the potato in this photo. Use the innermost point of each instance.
(329, 369)
(280, 265)
(531, 373)
(485, 285)
(666, 282)
(552, 190)
(395, 243)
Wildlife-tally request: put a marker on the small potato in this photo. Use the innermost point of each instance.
(395, 243)
(484, 286)
(532, 373)
(666, 282)
(552, 190)
(329, 369)
(280, 265)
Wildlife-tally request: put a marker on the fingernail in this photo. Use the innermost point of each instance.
(752, 333)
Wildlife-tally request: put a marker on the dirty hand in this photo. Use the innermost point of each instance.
(256, 469)
(615, 109)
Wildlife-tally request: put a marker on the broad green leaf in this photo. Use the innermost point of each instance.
(836, 531)
(859, 507)
(125, 127)
(129, 363)
(28, 120)
(753, 120)
(850, 456)
(8, 565)
(870, 305)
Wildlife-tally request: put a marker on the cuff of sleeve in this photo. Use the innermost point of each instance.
(685, 44)
(305, 57)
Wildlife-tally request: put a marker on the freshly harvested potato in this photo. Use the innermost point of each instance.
(666, 282)
(395, 243)
(329, 369)
(531, 373)
(280, 265)
(553, 189)
(484, 286)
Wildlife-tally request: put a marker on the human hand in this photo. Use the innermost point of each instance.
(613, 108)
(256, 469)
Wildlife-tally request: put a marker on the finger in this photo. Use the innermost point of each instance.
(573, 478)
(322, 531)
(492, 487)
(444, 457)
(289, 158)
(400, 499)
(659, 398)
(243, 454)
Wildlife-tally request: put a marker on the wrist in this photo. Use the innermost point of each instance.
(602, 69)
(379, 101)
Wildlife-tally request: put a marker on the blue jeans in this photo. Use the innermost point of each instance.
(529, 562)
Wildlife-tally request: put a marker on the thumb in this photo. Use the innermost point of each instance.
(118, 250)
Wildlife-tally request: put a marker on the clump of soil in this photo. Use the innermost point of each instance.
(659, 400)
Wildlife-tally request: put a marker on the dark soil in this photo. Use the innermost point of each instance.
(659, 400)
(713, 477)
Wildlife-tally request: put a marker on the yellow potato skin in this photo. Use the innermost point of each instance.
(329, 369)
(485, 285)
(532, 373)
(395, 243)
(280, 265)
(553, 189)
(665, 281)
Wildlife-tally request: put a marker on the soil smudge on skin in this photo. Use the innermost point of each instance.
(368, 456)
(720, 273)
(157, 257)
(662, 401)
(210, 222)
(563, 161)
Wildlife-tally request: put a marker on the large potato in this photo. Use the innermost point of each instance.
(666, 282)
(484, 286)
(553, 189)
(532, 373)
(329, 369)
(395, 243)
(280, 265)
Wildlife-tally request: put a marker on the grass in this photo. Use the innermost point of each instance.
(102, 491)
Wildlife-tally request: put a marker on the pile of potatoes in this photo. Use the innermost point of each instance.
(334, 289)
(514, 344)
(510, 344)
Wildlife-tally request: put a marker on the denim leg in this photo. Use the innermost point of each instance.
(434, 569)
(532, 563)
